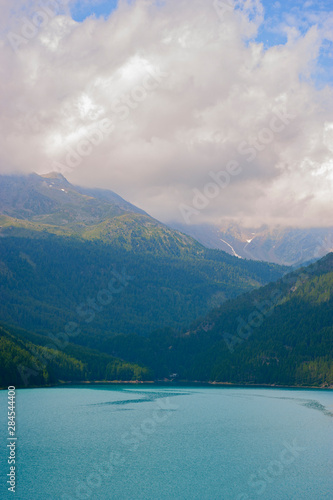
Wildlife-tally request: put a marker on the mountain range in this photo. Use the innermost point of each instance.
(282, 245)
(93, 288)
(51, 204)
(279, 334)
(60, 245)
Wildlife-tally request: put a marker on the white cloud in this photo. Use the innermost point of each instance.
(183, 90)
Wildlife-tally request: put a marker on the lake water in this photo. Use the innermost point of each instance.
(169, 443)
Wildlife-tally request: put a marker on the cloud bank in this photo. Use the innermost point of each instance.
(174, 105)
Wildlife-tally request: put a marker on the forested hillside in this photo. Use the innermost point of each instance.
(280, 334)
(25, 361)
(132, 287)
(61, 245)
(46, 281)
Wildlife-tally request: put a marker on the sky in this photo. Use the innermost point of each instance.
(197, 111)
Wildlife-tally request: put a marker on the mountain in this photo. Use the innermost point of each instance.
(94, 288)
(33, 196)
(68, 254)
(281, 245)
(280, 334)
(25, 360)
(50, 203)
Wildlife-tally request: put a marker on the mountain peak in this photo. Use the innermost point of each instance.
(53, 175)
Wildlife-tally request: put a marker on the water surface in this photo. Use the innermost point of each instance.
(169, 443)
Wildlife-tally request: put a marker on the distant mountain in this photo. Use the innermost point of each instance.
(50, 203)
(33, 196)
(62, 246)
(281, 245)
(280, 334)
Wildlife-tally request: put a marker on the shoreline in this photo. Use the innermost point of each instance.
(173, 383)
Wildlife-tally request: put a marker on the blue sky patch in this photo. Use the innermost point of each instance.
(279, 16)
(99, 8)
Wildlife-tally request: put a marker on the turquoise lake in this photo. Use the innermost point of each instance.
(166, 443)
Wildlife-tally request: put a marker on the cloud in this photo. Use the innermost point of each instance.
(152, 99)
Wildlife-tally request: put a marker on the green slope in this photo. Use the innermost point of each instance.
(279, 334)
(60, 244)
(47, 281)
(70, 254)
(51, 204)
(285, 338)
(26, 361)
